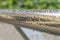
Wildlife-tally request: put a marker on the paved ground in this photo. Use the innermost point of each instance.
(8, 32)
(50, 36)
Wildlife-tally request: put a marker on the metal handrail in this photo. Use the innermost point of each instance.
(12, 20)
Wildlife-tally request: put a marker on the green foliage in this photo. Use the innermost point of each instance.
(42, 6)
(30, 4)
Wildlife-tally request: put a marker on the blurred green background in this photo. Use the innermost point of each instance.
(29, 4)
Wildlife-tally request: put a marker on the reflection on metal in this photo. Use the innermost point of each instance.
(40, 22)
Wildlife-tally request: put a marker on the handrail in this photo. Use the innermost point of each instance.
(12, 20)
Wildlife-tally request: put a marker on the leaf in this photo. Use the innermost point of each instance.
(28, 3)
(51, 7)
(4, 3)
(42, 6)
(58, 6)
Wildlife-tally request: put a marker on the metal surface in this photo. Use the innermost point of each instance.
(40, 22)
(12, 20)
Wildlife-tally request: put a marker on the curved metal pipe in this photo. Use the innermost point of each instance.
(12, 20)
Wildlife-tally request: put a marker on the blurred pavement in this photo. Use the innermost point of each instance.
(8, 32)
